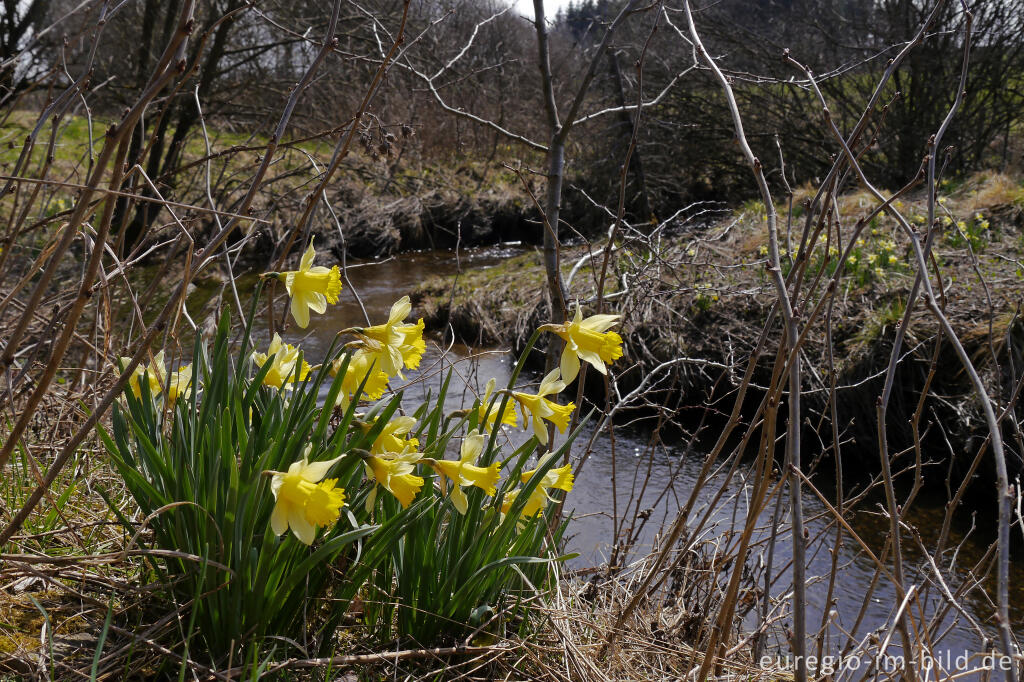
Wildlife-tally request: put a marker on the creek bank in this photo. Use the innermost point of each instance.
(382, 226)
(700, 299)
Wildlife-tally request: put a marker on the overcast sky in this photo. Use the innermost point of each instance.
(550, 6)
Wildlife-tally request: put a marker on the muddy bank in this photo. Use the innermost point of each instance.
(374, 226)
(382, 226)
(701, 297)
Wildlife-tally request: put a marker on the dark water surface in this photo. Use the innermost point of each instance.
(624, 468)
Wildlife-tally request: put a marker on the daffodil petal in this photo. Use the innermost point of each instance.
(400, 310)
(459, 499)
(599, 323)
(315, 471)
(317, 303)
(307, 257)
(300, 311)
(303, 529)
(594, 360)
(540, 430)
(279, 518)
(570, 365)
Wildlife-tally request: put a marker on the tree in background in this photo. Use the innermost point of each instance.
(19, 63)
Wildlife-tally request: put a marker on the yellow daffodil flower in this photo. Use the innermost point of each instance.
(304, 499)
(560, 478)
(282, 371)
(540, 408)
(361, 365)
(153, 374)
(533, 505)
(488, 414)
(588, 340)
(394, 471)
(395, 343)
(392, 437)
(311, 287)
(465, 472)
(178, 384)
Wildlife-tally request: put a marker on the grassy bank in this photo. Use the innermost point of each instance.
(383, 201)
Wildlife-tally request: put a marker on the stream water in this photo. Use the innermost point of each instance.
(624, 469)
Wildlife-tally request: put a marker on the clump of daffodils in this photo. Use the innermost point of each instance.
(973, 232)
(305, 500)
(292, 476)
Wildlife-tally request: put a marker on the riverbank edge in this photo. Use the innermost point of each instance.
(706, 323)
